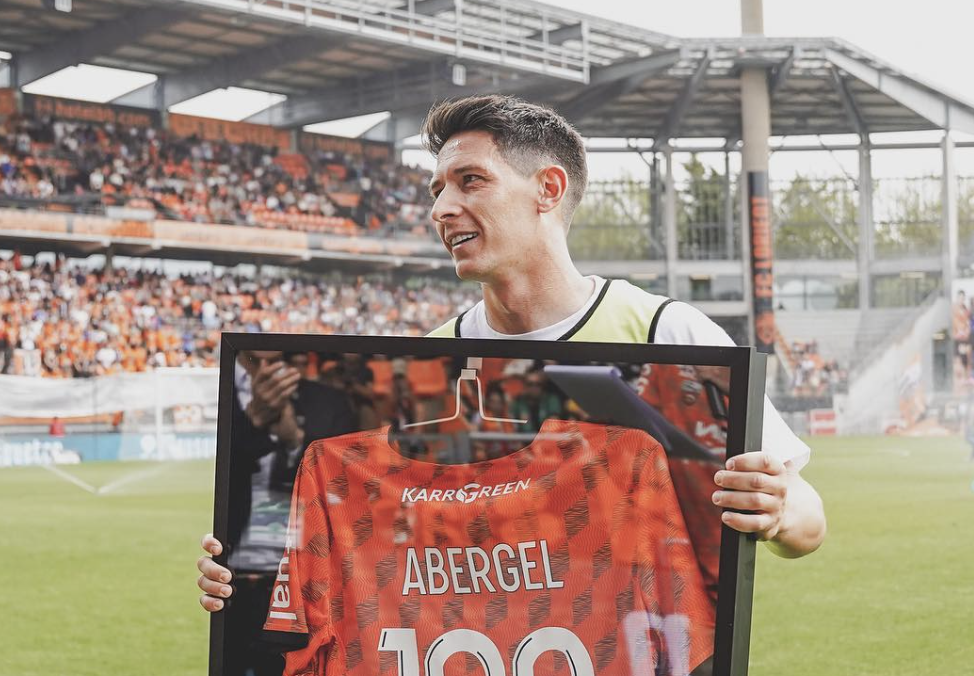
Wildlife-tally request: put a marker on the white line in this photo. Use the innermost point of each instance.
(281, 616)
(67, 477)
(129, 478)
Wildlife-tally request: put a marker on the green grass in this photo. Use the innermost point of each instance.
(890, 591)
(105, 584)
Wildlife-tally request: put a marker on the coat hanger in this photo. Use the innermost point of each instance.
(469, 373)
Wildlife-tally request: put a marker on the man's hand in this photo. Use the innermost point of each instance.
(757, 483)
(783, 509)
(287, 428)
(215, 579)
(273, 384)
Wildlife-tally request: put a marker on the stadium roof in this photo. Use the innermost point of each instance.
(340, 58)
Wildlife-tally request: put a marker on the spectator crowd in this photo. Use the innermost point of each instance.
(195, 180)
(812, 374)
(62, 321)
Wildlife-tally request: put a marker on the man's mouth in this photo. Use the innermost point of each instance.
(459, 240)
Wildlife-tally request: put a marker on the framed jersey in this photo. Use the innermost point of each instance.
(437, 507)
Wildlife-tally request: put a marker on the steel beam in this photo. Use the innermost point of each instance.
(728, 209)
(669, 224)
(848, 103)
(102, 39)
(594, 97)
(559, 36)
(938, 108)
(644, 65)
(228, 71)
(434, 7)
(609, 83)
(949, 214)
(780, 74)
(676, 113)
(406, 90)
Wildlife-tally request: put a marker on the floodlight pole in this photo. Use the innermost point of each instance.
(756, 130)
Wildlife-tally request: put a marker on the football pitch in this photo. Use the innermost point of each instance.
(103, 582)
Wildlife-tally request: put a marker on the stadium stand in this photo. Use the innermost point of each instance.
(69, 321)
(317, 188)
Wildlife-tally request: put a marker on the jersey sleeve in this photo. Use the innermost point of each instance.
(683, 324)
(299, 617)
(679, 611)
(648, 385)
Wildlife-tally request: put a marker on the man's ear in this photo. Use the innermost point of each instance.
(552, 186)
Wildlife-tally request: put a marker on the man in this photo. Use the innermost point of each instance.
(509, 176)
(276, 413)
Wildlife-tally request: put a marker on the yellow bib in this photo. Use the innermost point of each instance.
(622, 313)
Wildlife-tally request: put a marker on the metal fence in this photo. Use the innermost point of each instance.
(614, 222)
(907, 217)
(812, 219)
(816, 219)
(708, 210)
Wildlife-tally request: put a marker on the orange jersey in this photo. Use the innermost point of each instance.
(677, 393)
(568, 556)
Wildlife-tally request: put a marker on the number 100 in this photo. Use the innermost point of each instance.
(403, 642)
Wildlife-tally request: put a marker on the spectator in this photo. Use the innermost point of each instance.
(65, 321)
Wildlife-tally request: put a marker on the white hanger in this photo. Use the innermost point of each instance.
(469, 373)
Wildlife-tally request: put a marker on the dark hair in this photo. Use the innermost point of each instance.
(526, 135)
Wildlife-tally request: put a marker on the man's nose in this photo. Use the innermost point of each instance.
(446, 206)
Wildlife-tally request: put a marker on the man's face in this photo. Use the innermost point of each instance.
(485, 211)
(252, 360)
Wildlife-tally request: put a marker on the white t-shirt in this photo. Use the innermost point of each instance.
(679, 324)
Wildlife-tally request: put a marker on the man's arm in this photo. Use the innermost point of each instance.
(782, 508)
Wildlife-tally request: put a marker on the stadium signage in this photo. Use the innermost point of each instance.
(466, 495)
(8, 102)
(762, 290)
(84, 111)
(376, 150)
(235, 132)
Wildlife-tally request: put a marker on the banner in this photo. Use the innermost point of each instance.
(32, 397)
(206, 237)
(373, 150)
(762, 292)
(32, 221)
(235, 132)
(84, 111)
(8, 102)
(236, 237)
(40, 449)
(109, 227)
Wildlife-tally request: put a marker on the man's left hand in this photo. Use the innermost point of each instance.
(758, 484)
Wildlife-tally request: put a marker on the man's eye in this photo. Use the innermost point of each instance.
(467, 178)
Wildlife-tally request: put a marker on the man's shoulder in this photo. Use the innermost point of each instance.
(627, 290)
(445, 330)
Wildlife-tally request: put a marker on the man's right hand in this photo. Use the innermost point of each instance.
(215, 579)
(272, 386)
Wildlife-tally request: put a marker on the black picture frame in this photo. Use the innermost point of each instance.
(744, 433)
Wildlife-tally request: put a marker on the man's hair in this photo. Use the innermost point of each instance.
(526, 134)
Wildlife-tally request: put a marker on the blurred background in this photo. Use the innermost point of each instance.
(171, 170)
